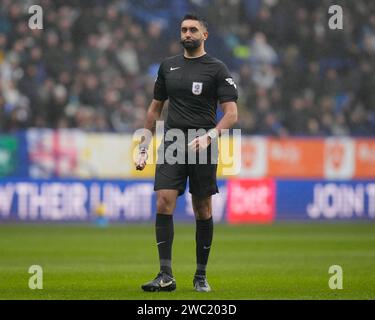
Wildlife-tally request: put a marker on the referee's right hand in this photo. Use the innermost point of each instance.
(141, 159)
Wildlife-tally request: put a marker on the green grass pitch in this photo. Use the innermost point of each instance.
(278, 261)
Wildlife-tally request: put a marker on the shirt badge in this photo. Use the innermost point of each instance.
(197, 88)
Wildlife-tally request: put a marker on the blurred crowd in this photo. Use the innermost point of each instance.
(94, 63)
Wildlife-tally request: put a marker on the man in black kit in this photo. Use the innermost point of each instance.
(193, 82)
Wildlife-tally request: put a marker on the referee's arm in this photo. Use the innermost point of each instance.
(230, 116)
(227, 121)
(227, 95)
(153, 114)
(156, 106)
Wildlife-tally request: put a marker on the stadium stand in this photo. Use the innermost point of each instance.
(94, 63)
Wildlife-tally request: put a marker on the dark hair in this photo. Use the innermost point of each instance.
(194, 16)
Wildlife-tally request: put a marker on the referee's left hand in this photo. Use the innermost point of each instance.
(200, 143)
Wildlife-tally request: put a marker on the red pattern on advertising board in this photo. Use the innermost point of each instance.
(52, 153)
(249, 151)
(336, 155)
(251, 201)
(365, 158)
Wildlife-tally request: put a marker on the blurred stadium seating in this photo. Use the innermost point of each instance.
(93, 64)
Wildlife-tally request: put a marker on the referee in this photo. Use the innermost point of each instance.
(193, 82)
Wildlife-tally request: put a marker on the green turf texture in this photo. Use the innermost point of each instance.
(278, 261)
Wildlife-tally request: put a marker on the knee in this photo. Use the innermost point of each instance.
(203, 214)
(202, 210)
(164, 204)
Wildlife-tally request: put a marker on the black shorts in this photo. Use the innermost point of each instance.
(202, 177)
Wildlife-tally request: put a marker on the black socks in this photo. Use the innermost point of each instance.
(164, 239)
(203, 237)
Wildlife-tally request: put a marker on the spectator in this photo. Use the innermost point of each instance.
(93, 66)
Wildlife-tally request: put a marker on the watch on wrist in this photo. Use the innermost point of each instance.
(213, 134)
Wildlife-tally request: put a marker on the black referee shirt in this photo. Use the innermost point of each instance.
(193, 87)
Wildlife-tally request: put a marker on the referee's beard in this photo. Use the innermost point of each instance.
(191, 45)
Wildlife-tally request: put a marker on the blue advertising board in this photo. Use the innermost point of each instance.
(79, 200)
(325, 200)
(135, 200)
